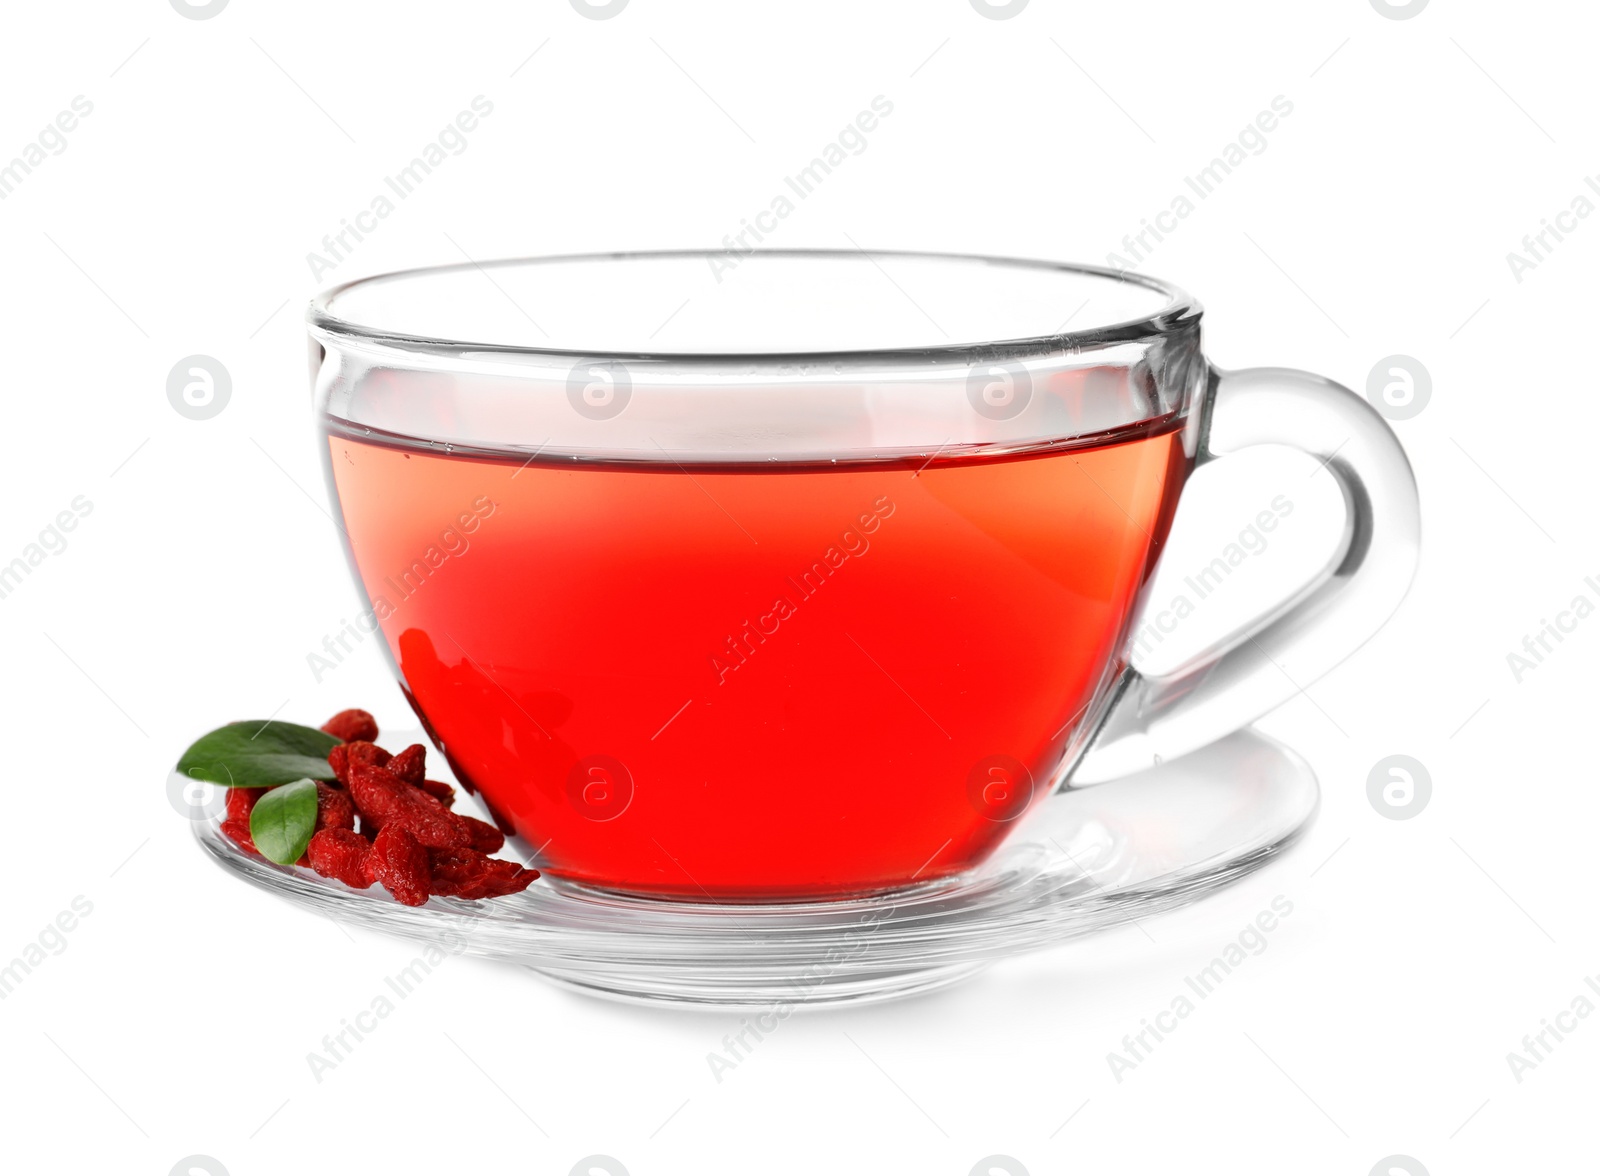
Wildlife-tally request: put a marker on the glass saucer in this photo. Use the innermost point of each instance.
(1084, 861)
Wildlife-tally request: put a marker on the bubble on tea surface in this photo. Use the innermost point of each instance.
(1399, 787)
(604, 1165)
(1398, 1165)
(599, 389)
(1398, 11)
(196, 800)
(198, 11)
(198, 387)
(999, 391)
(993, 11)
(1399, 387)
(193, 1165)
(600, 787)
(1000, 787)
(598, 11)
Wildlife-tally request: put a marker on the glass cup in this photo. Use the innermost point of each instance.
(790, 575)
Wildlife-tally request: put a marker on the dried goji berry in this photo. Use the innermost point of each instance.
(409, 764)
(340, 854)
(335, 809)
(409, 840)
(455, 872)
(374, 792)
(466, 873)
(350, 725)
(398, 861)
(238, 828)
(241, 801)
(384, 799)
(440, 791)
(514, 881)
(359, 752)
(370, 754)
(485, 837)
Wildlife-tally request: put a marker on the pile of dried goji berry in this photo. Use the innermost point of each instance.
(409, 840)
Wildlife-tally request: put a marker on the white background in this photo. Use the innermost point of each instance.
(177, 220)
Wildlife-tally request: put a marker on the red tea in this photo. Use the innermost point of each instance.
(755, 681)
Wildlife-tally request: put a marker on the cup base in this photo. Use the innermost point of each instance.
(1090, 860)
(862, 990)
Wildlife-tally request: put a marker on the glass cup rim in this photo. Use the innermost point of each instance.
(1180, 311)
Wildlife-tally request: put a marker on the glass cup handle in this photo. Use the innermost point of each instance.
(1150, 719)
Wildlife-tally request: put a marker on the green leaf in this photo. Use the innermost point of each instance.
(259, 754)
(283, 820)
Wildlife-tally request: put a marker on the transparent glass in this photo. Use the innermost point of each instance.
(1090, 860)
(799, 575)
